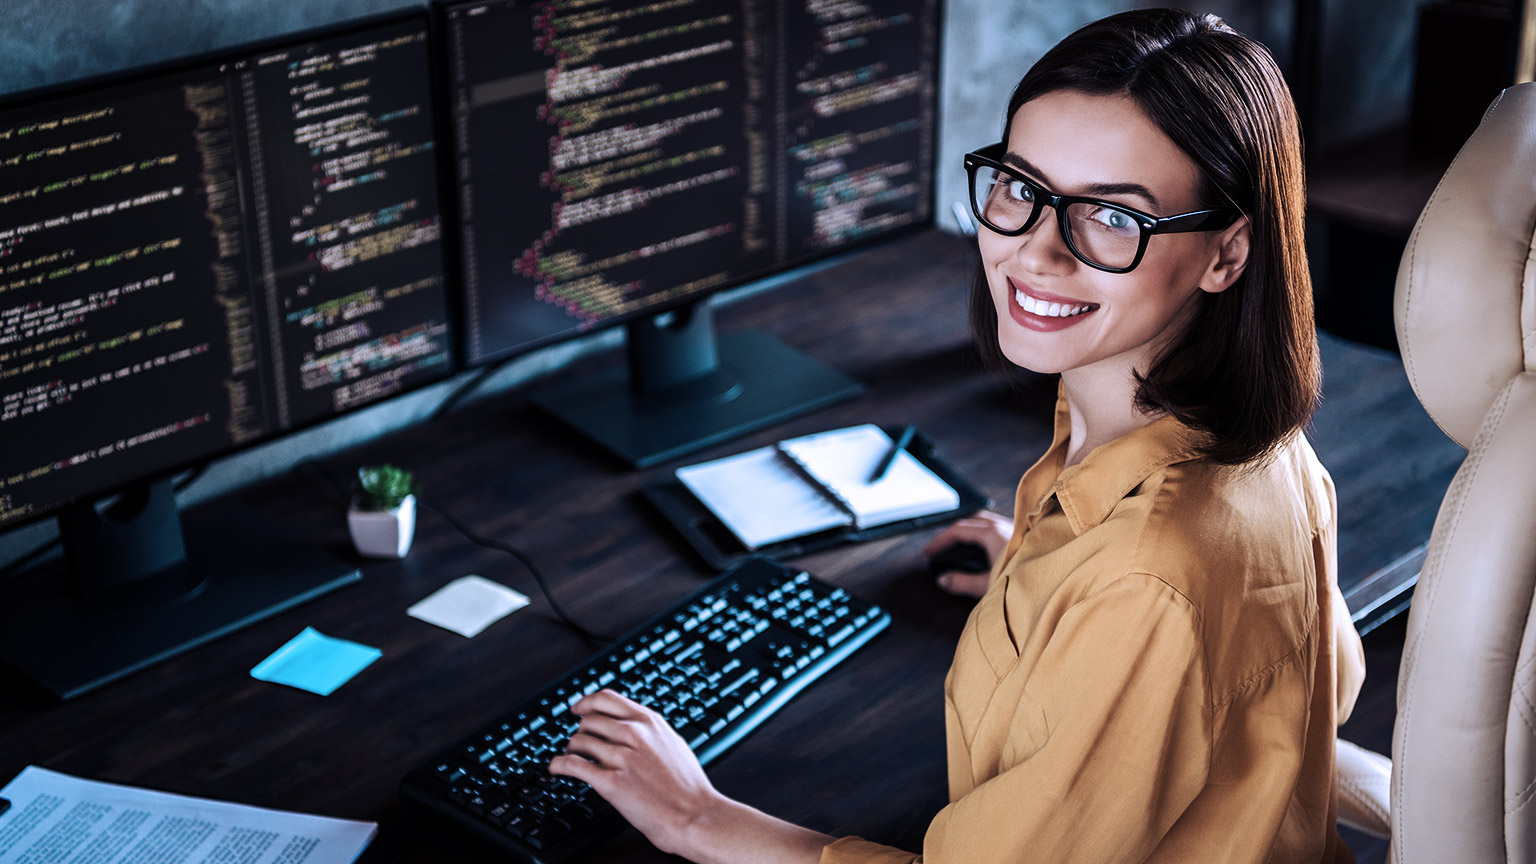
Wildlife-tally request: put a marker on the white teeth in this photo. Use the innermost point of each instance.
(1048, 310)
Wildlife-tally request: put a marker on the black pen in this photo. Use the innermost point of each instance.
(900, 445)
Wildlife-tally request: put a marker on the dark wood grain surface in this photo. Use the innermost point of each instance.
(859, 752)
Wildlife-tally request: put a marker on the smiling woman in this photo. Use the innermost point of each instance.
(1216, 124)
(1093, 292)
(1160, 654)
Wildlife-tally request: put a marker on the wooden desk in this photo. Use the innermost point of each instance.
(860, 751)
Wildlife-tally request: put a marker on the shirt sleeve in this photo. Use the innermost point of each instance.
(1110, 742)
(1351, 658)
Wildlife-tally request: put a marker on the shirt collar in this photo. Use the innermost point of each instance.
(1089, 490)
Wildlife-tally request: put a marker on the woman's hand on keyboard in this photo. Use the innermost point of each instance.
(629, 754)
(639, 764)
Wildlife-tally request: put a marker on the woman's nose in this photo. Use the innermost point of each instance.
(1043, 249)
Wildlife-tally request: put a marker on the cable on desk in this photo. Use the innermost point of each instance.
(341, 490)
(538, 575)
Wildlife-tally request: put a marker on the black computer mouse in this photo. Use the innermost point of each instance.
(964, 556)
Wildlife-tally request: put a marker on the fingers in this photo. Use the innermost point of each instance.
(612, 725)
(571, 765)
(952, 533)
(611, 703)
(599, 745)
(639, 764)
(985, 528)
(606, 753)
(606, 728)
(964, 584)
(978, 528)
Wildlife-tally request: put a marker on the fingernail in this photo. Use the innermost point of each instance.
(944, 581)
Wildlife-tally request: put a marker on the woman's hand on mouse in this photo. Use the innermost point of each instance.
(986, 529)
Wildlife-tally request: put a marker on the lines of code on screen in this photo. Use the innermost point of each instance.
(193, 261)
(351, 248)
(617, 158)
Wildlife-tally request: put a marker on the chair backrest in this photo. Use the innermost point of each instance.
(1464, 750)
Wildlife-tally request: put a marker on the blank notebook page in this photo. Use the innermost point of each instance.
(761, 498)
(843, 459)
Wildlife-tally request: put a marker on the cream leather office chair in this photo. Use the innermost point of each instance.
(1463, 768)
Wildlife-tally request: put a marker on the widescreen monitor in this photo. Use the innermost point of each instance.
(615, 161)
(195, 259)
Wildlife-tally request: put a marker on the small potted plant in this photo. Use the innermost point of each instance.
(382, 517)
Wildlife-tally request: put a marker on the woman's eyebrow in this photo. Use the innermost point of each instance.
(1096, 189)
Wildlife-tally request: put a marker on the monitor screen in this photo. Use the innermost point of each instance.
(619, 164)
(612, 162)
(198, 258)
(194, 259)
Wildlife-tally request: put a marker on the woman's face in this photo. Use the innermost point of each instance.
(1057, 314)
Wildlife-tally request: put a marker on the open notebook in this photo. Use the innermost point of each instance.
(814, 483)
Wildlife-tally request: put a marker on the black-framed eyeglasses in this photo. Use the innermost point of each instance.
(1104, 235)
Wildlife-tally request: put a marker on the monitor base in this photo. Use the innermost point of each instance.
(252, 568)
(759, 382)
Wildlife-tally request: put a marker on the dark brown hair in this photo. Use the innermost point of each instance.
(1245, 373)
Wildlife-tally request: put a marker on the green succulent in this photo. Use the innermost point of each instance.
(383, 487)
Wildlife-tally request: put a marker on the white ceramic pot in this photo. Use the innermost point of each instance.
(383, 533)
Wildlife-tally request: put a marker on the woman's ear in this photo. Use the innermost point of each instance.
(1232, 247)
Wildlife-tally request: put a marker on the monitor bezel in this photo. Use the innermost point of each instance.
(801, 266)
(138, 76)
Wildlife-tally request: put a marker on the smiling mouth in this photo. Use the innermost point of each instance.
(1050, 310)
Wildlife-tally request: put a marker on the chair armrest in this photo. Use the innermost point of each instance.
(1364, 780)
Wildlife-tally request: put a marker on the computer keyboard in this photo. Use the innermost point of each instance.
(716, 665)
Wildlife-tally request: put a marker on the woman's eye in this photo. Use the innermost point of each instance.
(1115, 220)
(1019, 191)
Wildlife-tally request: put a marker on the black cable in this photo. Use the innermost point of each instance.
(341, 490)
(345, 496)
(597, 639)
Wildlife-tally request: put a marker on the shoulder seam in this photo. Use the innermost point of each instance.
(1289, 658)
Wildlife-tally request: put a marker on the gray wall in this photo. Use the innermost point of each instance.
(1366, 64)
(989, 45)
(46, 41)
(1365, 69)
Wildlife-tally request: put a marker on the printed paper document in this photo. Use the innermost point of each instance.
(56, 817)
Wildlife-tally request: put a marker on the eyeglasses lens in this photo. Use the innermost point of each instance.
(1002, 202)
(1100, 234)
(1104, 235)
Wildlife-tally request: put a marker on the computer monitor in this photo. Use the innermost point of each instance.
(195, 259)
(613, 162)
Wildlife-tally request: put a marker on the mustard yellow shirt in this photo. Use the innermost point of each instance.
(1156, 671)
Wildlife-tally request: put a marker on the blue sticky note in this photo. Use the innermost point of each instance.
(315, 662)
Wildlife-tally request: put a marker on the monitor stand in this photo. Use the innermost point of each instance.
(134, 588)
(683, 390)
